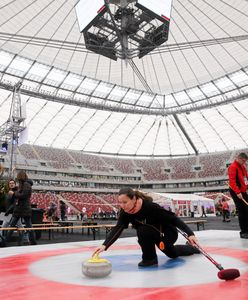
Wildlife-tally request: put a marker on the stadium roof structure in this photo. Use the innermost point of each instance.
(187, 96)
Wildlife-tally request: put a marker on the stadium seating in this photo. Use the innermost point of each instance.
(155, 170)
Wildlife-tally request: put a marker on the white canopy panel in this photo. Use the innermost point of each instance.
(189, 197)
(68, 126)
(188, 96)
(207, 40)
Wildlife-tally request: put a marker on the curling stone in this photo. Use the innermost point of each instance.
(96, 267)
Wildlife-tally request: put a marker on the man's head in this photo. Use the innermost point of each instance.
(242, 158)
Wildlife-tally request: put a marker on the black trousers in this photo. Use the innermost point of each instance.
(2, 241)
(149, 238)
(242, 209)
(62, 216)
(28, 223)
(226, 215)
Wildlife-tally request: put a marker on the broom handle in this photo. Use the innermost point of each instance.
(244, 201)
(219, 266)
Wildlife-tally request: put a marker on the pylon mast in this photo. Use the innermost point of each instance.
(10, 130)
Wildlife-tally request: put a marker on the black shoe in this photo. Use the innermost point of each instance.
(148, 263)
(244, 235)
(33, 243)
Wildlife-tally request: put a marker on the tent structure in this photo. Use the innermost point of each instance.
(217, 197)
(185, 204)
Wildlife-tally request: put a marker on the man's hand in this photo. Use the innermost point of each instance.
(240, 196)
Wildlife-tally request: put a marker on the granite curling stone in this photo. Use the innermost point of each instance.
(96, 267)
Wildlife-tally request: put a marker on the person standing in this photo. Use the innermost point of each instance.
(238, 182)
(154, 226)
(62, 210)
(225, 211)
(10, 202)
(51, 212)
(22, 207)
(203, 211)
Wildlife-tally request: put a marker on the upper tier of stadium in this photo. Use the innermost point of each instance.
(68, 161)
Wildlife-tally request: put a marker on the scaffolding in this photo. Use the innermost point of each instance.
(11, 129)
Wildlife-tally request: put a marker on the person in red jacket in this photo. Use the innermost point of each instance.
(238, 183)
(225, 211)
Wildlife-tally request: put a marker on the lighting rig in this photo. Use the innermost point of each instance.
(123, 28)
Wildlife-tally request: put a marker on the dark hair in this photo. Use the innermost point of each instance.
(22, 176)
(130, 193)
(243, 155)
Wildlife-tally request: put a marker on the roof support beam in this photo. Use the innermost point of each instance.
(185, 133)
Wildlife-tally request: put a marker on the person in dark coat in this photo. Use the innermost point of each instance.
(9, 205)
(51, 212)
(22, 207)
(62, 210)
(154, 225)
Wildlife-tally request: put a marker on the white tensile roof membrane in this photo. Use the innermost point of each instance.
(191, 97)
